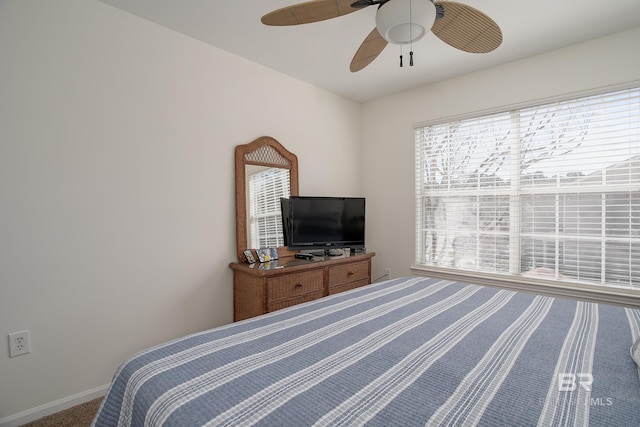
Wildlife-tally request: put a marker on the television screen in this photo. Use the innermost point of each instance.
(323, 222)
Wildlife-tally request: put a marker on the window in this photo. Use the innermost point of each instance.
(550, 191)
(265, 219)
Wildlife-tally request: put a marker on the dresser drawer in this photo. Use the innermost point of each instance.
(294, 285)
(348, 273)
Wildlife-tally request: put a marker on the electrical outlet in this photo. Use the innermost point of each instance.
(387, 272)
(19, 343)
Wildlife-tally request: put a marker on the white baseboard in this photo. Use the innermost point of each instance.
(53, 407)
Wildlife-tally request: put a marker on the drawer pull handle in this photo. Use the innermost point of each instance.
(298, 285)
(350, 273)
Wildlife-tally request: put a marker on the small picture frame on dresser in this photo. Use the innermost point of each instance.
(274, 253)
(249, 256)
(264, 254)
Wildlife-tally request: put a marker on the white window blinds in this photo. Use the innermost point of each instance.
(550, 191)
(265, 219)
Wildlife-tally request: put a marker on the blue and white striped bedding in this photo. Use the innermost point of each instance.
(411, 351)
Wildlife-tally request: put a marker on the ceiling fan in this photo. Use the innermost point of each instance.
(400, 22)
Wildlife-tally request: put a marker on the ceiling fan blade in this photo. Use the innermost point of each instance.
(369, 50)
(466, 28)
(311, 11)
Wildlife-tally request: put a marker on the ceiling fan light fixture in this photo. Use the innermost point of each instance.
(405, 21)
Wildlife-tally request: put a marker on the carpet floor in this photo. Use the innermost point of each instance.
(77, 416)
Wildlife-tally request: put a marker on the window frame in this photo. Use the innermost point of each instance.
(590, 292)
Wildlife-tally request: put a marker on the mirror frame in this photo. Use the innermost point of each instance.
(264, 151)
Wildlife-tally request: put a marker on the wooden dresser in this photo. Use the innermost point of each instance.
(262, 288)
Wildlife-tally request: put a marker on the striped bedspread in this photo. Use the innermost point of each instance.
(407, 352)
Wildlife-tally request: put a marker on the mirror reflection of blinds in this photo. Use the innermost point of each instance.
(550, 191)
(265, 219)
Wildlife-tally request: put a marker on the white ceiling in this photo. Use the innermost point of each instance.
(320, 53)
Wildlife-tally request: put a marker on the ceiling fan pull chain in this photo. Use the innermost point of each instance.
(411, 34)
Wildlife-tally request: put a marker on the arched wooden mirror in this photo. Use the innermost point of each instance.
(263, 162)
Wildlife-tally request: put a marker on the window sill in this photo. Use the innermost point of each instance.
(611, 295)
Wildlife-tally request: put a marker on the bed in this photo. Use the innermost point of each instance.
(405, 352)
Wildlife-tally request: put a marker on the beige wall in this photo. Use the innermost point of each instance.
(116, 184)
(388, 137)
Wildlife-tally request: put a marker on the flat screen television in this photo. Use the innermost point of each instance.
(323, 222)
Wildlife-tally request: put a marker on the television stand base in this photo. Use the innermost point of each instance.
(326, 252)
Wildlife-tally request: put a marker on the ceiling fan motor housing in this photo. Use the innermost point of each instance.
(405, 21)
